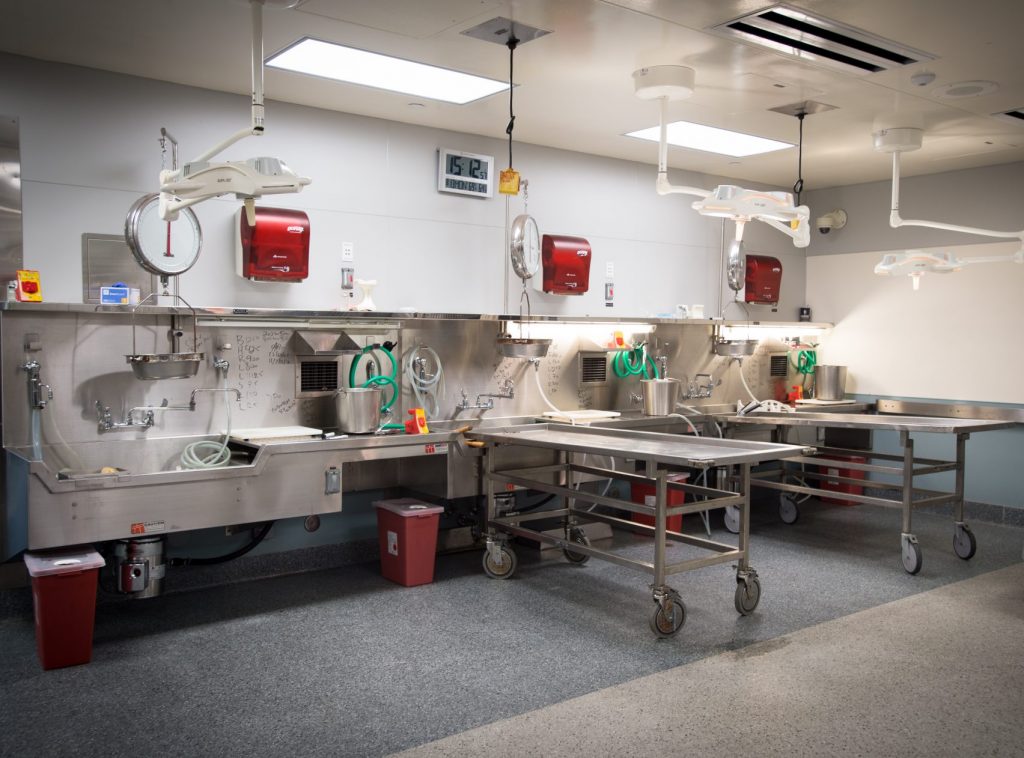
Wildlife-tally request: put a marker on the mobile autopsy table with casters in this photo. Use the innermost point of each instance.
(904, 467)
(658, 452)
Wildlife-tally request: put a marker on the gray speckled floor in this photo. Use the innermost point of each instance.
(936, 674)
(341, 662)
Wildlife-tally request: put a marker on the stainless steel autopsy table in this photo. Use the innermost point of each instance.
(658, 452)
(906, 468)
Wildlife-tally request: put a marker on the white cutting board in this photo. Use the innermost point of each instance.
(815, 401)
(275, 433)
(579, 417)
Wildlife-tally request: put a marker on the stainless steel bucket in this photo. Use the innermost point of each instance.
(660, 396)
(829, 382)
(358, 409)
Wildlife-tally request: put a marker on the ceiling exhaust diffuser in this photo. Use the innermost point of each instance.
(820, 40)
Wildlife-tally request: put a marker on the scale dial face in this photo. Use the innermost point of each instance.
(164, 248)
(525, 246)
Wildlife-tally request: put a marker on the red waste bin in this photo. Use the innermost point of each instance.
(641, 492)
(833, 485)
(407, 529)
(64, 595)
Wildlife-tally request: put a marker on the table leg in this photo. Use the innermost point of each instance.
(964, 542)
(748, 585)
(910, 549)
(499, 559)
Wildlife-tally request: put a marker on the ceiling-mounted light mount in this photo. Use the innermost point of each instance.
(899, 134)
(670, 82)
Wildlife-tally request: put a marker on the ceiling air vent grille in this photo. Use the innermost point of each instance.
(820, 40)
(1016, 115)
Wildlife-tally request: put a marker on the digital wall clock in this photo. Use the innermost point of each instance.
(465, 173)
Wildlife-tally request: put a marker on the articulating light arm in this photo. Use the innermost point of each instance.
(662, 185)
(741, 205)
(896, 221)
(201, 180)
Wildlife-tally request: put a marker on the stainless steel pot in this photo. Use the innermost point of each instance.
(830, 382)
(358, 409)
(660, 396)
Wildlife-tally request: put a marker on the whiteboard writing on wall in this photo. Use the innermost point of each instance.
(957, 338)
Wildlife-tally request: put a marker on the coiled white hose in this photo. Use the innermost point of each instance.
(428, 392)
(207, 453)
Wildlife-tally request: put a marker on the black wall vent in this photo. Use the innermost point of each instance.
(318, 377)
(593, 367)
(779, 365)
(817, 39)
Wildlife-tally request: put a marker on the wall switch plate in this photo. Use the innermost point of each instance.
(348, 251)
(332, 481)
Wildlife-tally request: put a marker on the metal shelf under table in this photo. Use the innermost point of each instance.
(658, 452)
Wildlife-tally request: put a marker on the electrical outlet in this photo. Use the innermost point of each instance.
(348, 251)
(609, 270)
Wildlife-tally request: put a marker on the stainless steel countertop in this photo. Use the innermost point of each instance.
(869, 421)
(672, 449)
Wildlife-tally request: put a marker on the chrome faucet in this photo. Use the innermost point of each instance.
(465, 405)
(39, 394)
(506, 391)
(105, 420)
(698, 390)
(146, 413)
(192, 397)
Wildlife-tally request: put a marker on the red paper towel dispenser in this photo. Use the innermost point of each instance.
(276, 249)
(566, 265)
(764, 280)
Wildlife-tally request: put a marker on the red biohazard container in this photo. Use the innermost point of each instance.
(64, 595)
(642, 492)
(407, 529)
(833, 485)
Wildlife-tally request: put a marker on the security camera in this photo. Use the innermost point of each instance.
(833, 220)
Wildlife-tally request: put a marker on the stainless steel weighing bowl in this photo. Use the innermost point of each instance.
(165, 365)
(512, 347)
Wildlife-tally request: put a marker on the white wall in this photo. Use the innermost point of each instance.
(89, 149)
(957, 337)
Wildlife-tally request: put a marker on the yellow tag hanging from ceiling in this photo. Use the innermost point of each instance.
(508, 182)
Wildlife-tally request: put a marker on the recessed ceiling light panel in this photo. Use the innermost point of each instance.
(711, 139)
(354, 66)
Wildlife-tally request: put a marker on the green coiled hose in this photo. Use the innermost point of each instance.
(379, 379)
(804, 364)
(634, 362)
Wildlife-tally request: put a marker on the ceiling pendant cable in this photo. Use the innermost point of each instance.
(511, 44)
(798, 187)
